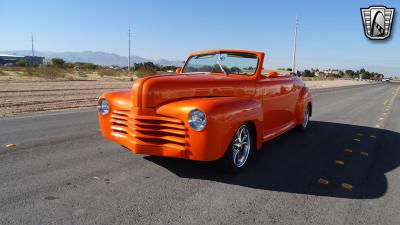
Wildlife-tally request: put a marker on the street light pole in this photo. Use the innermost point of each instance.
(129, 48)
(33, 51)
(294, 46)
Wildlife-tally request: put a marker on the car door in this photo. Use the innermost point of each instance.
(277, 98)
(288, 99)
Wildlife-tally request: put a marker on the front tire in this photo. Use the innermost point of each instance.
(240, 150)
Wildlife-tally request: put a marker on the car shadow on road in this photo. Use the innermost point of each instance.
(295, 162)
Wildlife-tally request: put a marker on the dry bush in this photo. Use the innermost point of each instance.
(111, 72)
(13, 68)
(307, 78)
(53, 73)
(31, 72)
(69, 77)
(50, 73)
(82, 74)
(330, 78)
(321, 78)
(145, 71)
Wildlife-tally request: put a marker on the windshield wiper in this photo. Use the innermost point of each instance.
(222, 68)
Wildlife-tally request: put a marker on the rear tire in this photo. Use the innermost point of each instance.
(306, 119)
(240, 151)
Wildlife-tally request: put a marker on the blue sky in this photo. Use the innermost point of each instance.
(330, 32)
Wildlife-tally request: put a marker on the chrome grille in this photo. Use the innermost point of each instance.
(149, 130)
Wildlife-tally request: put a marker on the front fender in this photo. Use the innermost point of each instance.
(117, 100)
(224, 116)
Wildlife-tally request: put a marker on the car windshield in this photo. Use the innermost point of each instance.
(228, 63)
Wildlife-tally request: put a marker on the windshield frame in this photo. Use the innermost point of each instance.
(224, 52)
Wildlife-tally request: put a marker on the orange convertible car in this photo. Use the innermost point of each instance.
(218, 106)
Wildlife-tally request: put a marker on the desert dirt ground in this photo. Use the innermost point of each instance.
(27, 97)
(17, 97)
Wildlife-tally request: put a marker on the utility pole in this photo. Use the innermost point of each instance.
(129, 48)
(30, 63)
(33, 52)
(295, 45)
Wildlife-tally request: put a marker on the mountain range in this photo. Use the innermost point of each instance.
(96, 57)
(109, 59)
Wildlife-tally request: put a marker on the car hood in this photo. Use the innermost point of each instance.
(153, 91)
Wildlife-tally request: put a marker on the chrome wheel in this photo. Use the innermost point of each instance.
(306, 117)
(241, 146)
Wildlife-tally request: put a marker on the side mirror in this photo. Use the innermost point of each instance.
(178, 70)
(272, 74)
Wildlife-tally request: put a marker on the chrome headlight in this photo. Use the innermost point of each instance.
(197, 119)
(103, 107)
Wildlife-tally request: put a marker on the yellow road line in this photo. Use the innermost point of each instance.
(388, 106)
(323, 181)
(346, 186)
(386, 101)
(11, 145)
(348, 150)
(340, 162)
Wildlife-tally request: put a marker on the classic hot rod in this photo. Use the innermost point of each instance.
(218, 106)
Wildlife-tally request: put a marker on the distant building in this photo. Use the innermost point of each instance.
(34, 60)
(331, 71)
(11, 60)
(320, 74)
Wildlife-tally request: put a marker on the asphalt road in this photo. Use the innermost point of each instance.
(62, 171)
